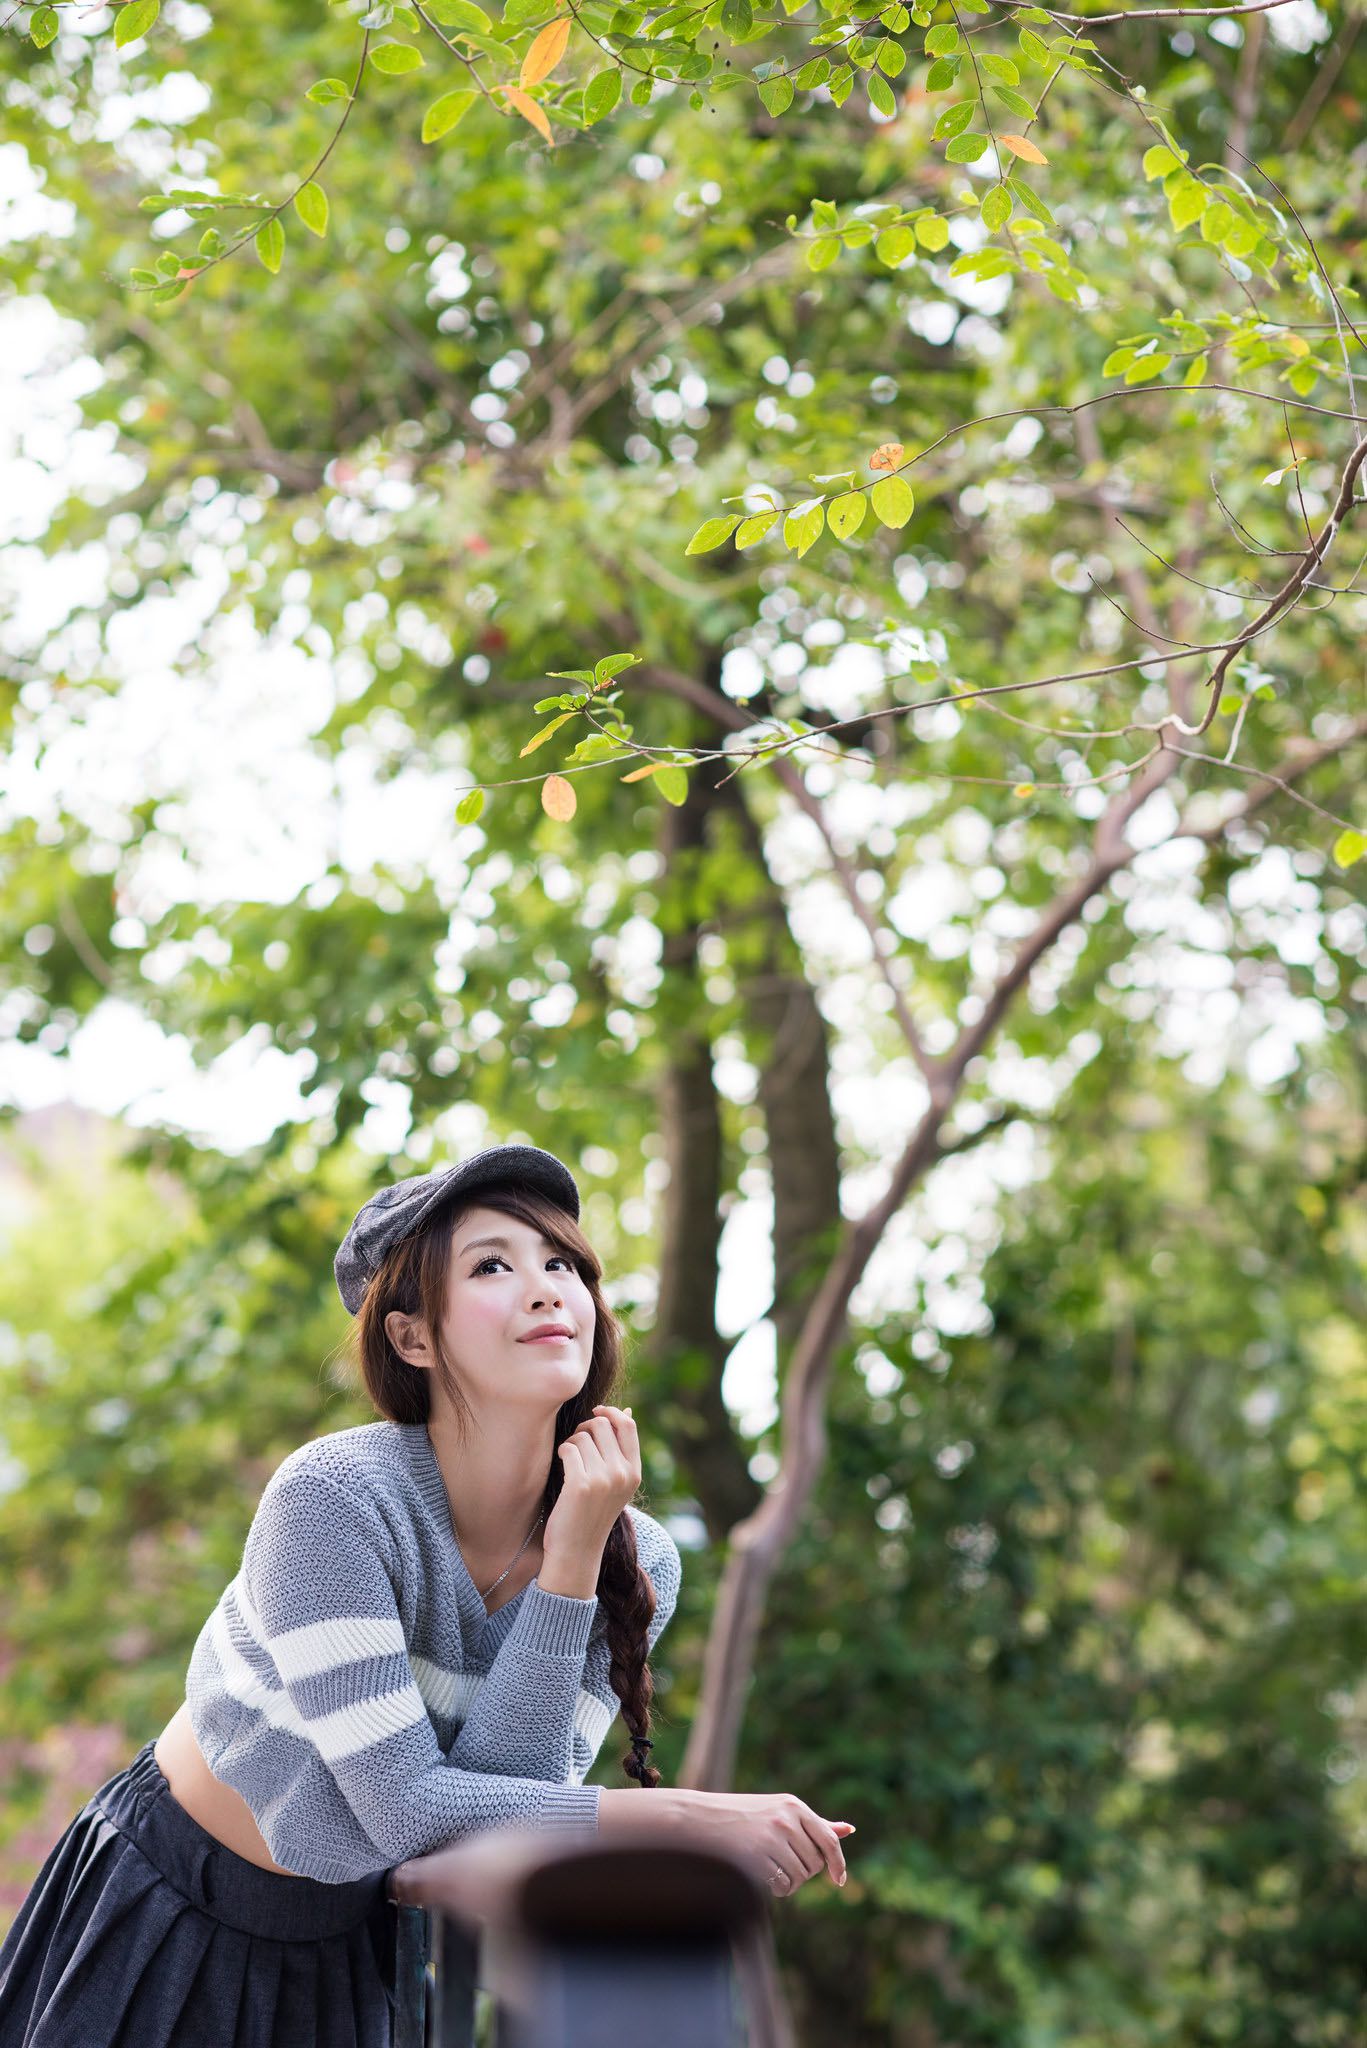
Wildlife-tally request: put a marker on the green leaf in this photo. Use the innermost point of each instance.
(43, 27)
(712, 533)
(1159, 160)
(539, 739)
(965, 149)
(822, 252)
(459, 14)
(954, 120)
(469, 807)
(803, 524)
(612, 665)
(1014, 102)
(1027, 197)
(1216, 222)
(777, 95)
(443, 114)
(841, 82)
(597, 746)
(1188, 204)
(1196, 371)
(999, 67)
(846, 514)
(134, 20)
(1350, 847)
(814, 72)
(941, 40)
(983, 263)
(311, 205)
(737, 19)
(1119, 359)
(892, 500)
(942, 74)
(1033, 47)
(997, 208)
(754, 528)
(894, 245)
(881, 94)
(891, 58)
(1144, 367)
(326, 90)
(672, 783)
(270, 243)
(394, 59)
(602, 93)
(931, 232)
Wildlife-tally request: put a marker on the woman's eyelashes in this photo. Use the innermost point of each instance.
(557, 1259)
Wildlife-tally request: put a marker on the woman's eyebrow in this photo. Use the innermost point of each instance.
(501, 1243)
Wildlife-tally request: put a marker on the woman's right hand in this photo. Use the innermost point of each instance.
(785, 1839)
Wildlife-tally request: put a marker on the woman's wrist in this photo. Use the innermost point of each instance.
(575, 1576)
(622, 1810)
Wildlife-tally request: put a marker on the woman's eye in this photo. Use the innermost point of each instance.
(557, 1259)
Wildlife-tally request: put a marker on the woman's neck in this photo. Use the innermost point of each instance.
(495, 1483)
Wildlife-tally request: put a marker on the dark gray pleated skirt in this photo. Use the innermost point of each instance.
(142, 1931)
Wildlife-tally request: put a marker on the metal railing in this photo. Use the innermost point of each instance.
(652, 1943)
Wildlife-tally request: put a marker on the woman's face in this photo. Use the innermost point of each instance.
(506, 1281)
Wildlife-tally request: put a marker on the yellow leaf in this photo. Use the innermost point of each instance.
(546, 51)
(639, 774)
(529, 110)
(1024, 789)
(1021, 145)
(886, 457)
(558, 799)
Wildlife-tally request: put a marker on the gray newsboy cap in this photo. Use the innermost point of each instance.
(392, 1212)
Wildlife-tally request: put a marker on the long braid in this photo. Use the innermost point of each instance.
(628, 1599)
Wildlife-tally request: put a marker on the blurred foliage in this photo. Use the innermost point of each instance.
(1073, 1632)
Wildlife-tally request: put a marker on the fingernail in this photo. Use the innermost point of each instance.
(841, 1878)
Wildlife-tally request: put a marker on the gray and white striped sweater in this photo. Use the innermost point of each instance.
(350, 1685)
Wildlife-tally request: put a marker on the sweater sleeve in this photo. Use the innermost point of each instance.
(315, 1591)
(523, 1717)
(547, 1701)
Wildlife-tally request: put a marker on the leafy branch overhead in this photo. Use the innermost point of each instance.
(984, 98)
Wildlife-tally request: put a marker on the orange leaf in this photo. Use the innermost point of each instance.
(529, 110)
(558, 799)
(546, 51)
(639, 774)
(888, 456)
(1021, 145)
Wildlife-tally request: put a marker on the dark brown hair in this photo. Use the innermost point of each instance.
(412, 1278)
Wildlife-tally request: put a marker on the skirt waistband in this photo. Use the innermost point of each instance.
(140, 1803)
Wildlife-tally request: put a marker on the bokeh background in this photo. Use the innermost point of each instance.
(1074, 1627)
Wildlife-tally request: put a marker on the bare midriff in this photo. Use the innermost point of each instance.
(220, 1811)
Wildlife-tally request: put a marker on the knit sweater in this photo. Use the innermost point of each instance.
(352, 1687)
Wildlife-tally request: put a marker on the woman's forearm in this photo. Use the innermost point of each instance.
(624, 1811)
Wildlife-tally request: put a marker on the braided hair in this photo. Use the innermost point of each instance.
(412, 1278)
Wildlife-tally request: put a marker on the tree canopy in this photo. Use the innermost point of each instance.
(972, 890)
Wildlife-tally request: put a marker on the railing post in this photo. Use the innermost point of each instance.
(412, 1946)
(598, 1943)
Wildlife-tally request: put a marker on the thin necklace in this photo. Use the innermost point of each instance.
(521, 1547)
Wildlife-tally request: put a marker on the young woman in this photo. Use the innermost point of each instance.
(437, 1618)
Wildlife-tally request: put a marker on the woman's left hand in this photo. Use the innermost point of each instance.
(602, 1468)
